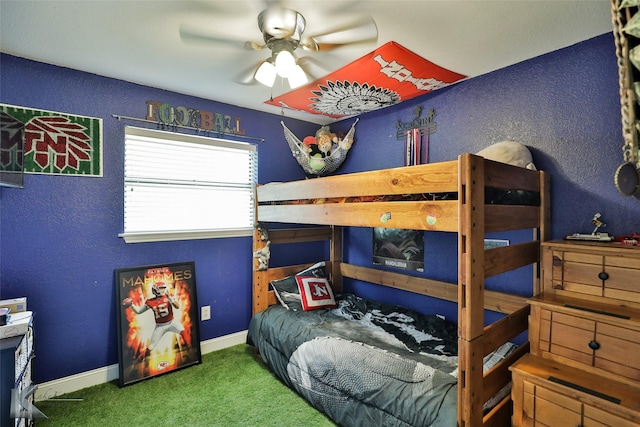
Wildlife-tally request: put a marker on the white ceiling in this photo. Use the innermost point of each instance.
(139, 41)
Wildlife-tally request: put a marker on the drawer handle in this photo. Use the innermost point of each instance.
(594, 345)
(603, 276)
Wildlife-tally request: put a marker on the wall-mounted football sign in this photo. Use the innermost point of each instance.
(384, 77)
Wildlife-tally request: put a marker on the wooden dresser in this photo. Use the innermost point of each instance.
(584, 364)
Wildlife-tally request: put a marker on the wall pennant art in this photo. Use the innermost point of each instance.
(56, 143)
(388, 75)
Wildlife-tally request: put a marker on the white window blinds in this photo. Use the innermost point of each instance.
(184, 187)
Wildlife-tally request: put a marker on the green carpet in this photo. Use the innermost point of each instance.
(230, 388)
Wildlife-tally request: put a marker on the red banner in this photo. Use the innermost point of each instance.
(384, 77)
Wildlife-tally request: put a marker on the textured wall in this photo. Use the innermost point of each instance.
(58, 235)
(564, 105)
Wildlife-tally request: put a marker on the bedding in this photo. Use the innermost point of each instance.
(365, 363)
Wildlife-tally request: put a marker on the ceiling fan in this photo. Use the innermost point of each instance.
(282, 32)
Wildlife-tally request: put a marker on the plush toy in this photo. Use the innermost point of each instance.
(263, 231)
(323, 130)
(511, 152)
(324, 144)
(324, 137)
(263, 256)
(345, 143)
(316, 162)
(320, 146)
(309, 140)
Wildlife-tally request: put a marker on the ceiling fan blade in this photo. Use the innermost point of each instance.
(313, 67)
(192, 35)
(246, 77)
(361, 31)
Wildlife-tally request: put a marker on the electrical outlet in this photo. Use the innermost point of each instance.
(205, 312)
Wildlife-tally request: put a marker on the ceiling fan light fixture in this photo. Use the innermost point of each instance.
(266, 73)
(297, 77)
(285, 63)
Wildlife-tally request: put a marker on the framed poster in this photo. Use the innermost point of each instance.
(158, 329)
(398, 248)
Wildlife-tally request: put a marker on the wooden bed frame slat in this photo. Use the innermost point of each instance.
(420, 285)
(468, 216)
(298, 235)
(495, 301)
(501, 175)
(505, 329)
(500, 415)
(498, 376)
(433, 178)
(510, 217)
(506, 258)
(501, 302)
(418, 215)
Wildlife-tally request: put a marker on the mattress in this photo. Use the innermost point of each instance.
(364, 363)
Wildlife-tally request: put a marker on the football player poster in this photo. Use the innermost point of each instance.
(158, 329)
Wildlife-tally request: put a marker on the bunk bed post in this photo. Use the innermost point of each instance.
(543, 232)
(470, 289)
(260, 282)
(335, 256)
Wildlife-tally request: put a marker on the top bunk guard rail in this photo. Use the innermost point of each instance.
(422, 197)
(434, 177)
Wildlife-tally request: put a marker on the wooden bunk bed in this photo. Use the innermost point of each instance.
(356, 200)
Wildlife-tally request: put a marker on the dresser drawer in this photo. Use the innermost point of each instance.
(594, 417)
(548, 393)
(619, 350)
(622, 283)
(600, 272)
(546, 407)
(543, 407)
(570, 337)
(576, 335)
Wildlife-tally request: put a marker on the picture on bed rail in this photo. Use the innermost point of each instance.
(398, 248)
(158, 329)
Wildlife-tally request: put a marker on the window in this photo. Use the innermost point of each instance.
(179, 187)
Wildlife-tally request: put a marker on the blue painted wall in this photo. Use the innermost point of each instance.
(564, 105)
(58, 235)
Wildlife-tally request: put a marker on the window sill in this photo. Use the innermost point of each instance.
(167, 236)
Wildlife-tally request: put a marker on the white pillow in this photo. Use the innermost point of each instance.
(511, 152)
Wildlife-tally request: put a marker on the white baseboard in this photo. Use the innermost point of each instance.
(55, 388)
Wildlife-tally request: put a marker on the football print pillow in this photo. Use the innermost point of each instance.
(287, 291)
(315, 293)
